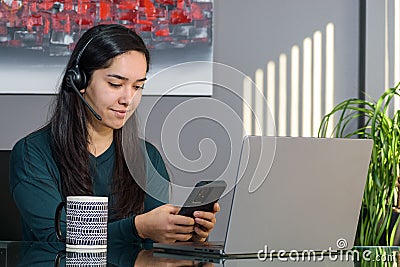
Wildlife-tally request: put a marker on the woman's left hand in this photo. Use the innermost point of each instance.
(204, 223)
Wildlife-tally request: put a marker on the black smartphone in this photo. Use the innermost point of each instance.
(203, 197)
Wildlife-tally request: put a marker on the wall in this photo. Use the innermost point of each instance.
(382, 47)
(203, 134)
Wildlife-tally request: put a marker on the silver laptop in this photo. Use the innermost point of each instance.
(292, 193)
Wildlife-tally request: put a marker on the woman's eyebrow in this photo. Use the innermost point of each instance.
(125, 78)
(141, 80)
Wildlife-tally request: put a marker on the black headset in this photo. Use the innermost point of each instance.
(74, 74)
(76, 79)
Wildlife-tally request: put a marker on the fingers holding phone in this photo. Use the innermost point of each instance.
(195, 219)
(204, 223)
(162, 225)
(202, 206)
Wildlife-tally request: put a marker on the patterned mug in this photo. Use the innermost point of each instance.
(86, 222)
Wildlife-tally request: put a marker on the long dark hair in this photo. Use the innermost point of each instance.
(98, 47)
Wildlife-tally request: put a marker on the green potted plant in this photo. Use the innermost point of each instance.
(358, 118)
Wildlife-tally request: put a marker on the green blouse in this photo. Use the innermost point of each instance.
(35, 185)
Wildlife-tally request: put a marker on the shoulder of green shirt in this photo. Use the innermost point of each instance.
(39, 138)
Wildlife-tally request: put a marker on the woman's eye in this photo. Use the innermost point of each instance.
(138, 87)
(114, 84)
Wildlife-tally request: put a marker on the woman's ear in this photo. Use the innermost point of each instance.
(82, 91)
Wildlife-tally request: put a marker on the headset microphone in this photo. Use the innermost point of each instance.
(70, 82)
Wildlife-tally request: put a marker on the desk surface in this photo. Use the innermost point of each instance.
(13, 253)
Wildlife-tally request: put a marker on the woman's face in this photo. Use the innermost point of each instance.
(115, 92)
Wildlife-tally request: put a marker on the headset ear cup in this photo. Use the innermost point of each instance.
(77, 77)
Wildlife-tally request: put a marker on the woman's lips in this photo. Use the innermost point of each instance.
(120, 113)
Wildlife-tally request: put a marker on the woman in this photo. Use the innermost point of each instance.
(80, 152)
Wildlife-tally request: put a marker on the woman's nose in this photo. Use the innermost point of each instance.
(127, 95)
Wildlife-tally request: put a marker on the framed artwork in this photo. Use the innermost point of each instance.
(37, 37)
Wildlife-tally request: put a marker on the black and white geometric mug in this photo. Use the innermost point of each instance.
(86, 222)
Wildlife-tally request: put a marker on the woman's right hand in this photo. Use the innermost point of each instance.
(162, 224)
